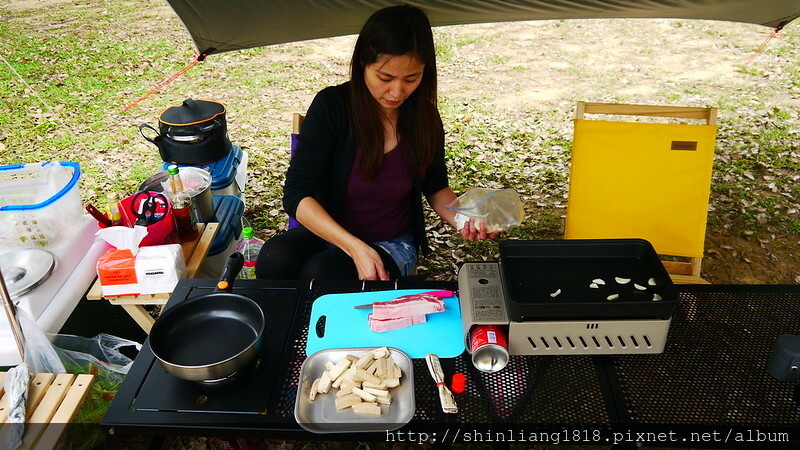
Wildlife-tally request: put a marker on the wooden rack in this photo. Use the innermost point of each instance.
(194, 252)
(53, 401)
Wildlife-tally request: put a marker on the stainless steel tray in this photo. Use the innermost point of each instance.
(321, 416)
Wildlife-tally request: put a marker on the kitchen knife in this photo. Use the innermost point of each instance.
(442, 294)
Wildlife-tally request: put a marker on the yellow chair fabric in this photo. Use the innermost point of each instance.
(641, 180)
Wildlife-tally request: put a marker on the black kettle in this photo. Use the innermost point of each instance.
(193, 133)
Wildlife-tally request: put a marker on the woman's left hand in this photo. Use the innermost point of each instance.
(472, 233)
(444, 197)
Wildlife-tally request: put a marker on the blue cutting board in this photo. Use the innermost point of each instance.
(345, 327)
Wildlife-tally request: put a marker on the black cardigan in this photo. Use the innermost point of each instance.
(321, 165)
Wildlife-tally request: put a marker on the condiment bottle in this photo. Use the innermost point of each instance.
(112, 201)
(181, 207)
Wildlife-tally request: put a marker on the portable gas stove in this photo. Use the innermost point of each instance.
(154, 396)
(599, 296)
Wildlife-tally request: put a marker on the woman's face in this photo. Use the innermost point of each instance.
(393, 78)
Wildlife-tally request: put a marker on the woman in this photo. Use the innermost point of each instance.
(369, 149)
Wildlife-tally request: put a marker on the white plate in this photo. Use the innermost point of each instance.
(321, 416)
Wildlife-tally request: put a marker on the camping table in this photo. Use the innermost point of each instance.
(194, 253)
(711, 374)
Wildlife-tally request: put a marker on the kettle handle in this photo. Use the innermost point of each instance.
(141, 131)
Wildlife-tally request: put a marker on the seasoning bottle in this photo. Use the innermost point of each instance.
(112, 201)
(181, 207)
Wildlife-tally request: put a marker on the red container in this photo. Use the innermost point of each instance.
(159, 233)
(489, 347)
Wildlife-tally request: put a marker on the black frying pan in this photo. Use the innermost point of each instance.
(211, 336)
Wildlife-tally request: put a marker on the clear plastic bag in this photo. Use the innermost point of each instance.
(101, 357)
(40, 356)
(499, 209)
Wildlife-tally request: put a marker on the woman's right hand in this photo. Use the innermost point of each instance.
(474, 233)
(369, 264)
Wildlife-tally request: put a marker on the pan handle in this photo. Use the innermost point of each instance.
(233, 265)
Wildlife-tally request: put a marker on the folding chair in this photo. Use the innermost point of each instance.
(644, 179)
(297, 121)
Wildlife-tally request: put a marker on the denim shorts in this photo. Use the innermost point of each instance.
(402, 251)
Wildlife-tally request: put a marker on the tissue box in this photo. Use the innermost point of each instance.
(154, 270)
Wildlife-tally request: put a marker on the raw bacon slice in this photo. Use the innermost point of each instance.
(408, 305)
(384, 325)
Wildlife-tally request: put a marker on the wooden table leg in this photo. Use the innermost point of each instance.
(141, 316)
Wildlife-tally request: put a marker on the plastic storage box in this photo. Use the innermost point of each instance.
(40, 204)
(228, 174)
(228, 211)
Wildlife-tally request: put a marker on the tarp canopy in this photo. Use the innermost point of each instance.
(219, 26)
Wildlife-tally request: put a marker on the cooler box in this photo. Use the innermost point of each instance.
(228, 210)
(228, 174)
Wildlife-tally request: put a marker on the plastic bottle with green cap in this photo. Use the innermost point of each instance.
(249, 246)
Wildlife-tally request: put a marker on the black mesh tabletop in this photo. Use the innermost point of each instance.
(713, 370)
(544, 391)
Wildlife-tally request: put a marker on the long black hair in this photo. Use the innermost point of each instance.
(396, 30)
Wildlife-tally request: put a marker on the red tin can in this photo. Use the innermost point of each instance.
(489, 347)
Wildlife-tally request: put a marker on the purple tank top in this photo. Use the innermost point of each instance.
(380, 209)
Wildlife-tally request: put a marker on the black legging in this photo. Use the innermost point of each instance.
(299, 254)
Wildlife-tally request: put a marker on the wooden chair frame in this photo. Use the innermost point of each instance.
(297, 122)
